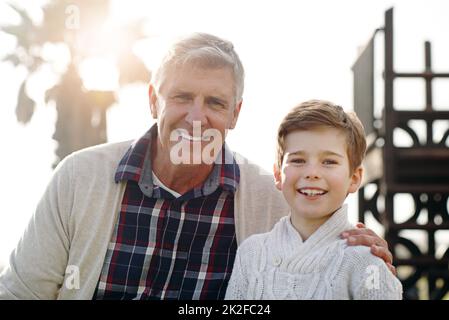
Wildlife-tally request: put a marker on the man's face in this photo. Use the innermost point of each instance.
(315, 177)
(192, 104)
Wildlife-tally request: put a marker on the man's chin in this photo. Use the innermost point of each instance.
(194, 153)
(191, 160)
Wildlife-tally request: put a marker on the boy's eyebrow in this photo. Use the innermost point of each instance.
(326, 153)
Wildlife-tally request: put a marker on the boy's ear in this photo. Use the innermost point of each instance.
(277, 177)
(356, 180)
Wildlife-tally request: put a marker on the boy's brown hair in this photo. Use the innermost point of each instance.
(317, 113)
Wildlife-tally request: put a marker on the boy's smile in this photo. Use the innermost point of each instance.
(315, 176)
(311, 192)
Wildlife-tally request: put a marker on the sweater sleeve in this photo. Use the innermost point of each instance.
(38, 264)
(238, 283)
(370, 279)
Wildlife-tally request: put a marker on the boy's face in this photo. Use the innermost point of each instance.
(315, 177)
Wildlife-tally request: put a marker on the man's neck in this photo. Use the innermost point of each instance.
(180, 178)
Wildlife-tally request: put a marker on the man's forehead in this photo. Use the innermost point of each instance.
(189, 69)
(191, 78)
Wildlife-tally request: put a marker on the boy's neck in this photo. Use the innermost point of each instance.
(306, 226)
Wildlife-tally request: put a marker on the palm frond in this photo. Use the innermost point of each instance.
(25, 105)
(13, 58)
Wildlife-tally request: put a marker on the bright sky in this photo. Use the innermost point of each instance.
(291, 50)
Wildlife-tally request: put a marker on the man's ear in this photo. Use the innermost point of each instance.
(356, 180)
(153, 101)
(277, 177)
(235, 115)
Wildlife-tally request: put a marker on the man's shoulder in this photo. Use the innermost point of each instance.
(253, 173)
(105, 150)
(99, 158)
(248, 165)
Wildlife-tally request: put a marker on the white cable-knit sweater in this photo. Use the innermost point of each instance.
(280, 265)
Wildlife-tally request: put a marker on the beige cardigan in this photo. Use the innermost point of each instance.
(69, 233)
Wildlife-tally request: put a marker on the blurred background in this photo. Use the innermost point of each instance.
(75, 73)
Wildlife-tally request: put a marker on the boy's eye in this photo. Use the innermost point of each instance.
(329, 162)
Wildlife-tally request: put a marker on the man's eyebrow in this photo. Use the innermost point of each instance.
(181, 91)
(218, 98)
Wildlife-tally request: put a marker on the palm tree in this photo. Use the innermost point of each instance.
(81, 113)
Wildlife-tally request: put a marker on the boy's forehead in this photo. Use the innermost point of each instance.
(320, 139)
(316, 132)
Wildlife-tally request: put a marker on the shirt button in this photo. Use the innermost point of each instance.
(277, 261)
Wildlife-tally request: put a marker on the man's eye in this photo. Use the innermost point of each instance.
(217, 104)
(181, 98)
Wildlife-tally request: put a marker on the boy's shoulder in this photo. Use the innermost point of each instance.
(262, 242)
(369, 276)
(361, 259)
(256, 240)
(266, 238)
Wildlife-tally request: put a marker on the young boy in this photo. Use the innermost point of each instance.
(320, 151)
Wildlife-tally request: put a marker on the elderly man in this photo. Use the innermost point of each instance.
(160, 217)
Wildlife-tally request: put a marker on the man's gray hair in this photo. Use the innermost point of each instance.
(207, 51)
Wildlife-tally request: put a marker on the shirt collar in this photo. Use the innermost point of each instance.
(136, 166)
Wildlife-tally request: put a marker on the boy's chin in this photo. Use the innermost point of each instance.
(307, 212)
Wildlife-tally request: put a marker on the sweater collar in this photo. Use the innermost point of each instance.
(327, 231)
(291, 246)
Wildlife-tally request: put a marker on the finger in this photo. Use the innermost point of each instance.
(358, 232)
(362, 240)
(392, 269)
(365, 232)
(382, 253)
(360, 225)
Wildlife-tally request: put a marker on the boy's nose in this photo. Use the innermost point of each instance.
(312, 173)
(312, 176)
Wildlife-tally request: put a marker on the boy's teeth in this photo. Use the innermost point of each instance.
(311, 192)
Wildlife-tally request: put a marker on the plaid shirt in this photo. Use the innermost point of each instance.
(170, 248)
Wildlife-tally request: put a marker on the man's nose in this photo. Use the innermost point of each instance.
(196, 112)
